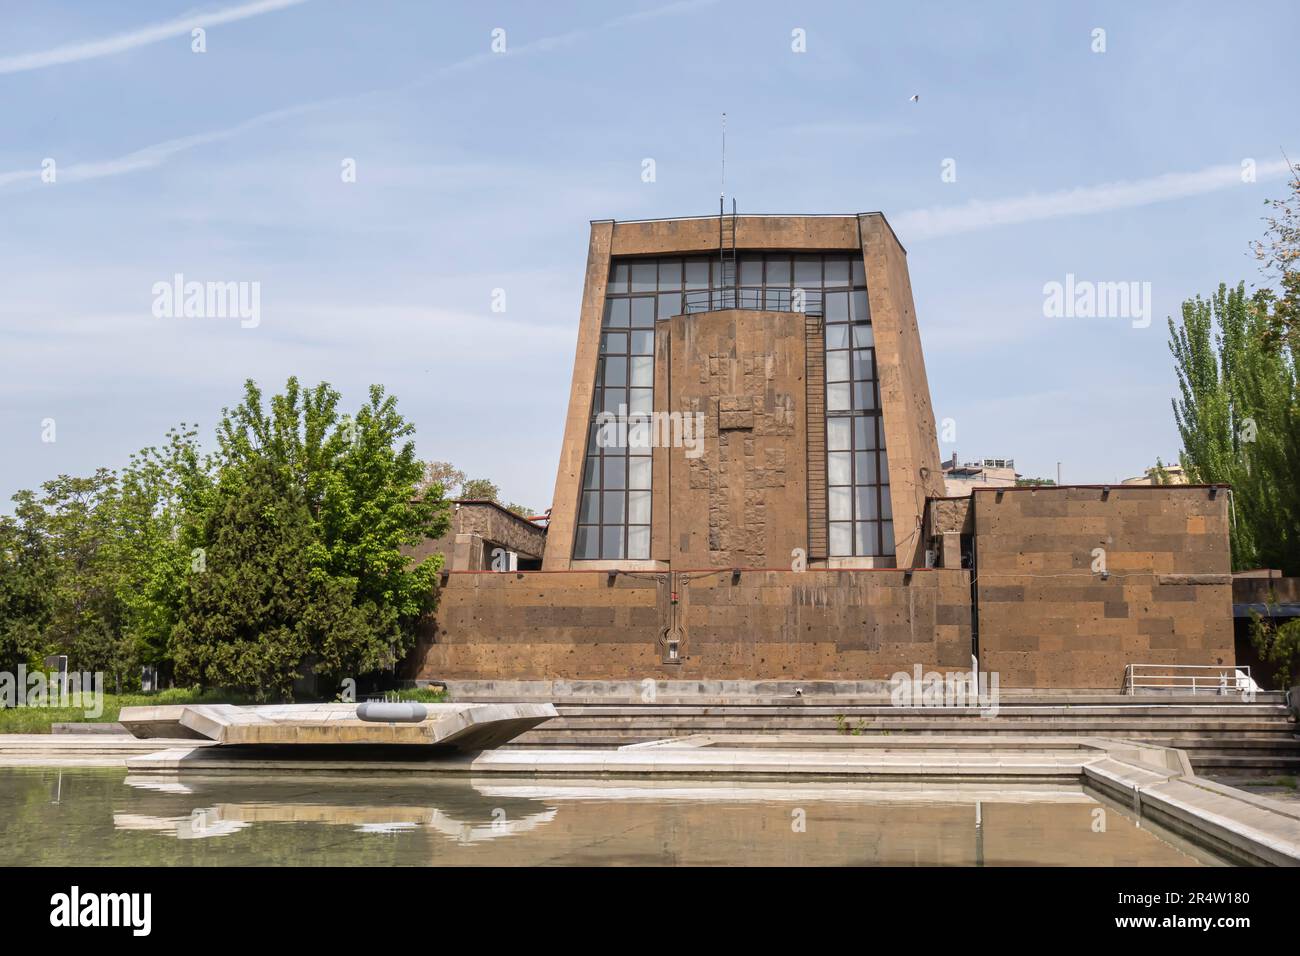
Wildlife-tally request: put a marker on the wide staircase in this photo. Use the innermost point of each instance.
(1221, 735)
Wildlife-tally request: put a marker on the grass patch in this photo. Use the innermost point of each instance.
(37, 720)
(423, 695)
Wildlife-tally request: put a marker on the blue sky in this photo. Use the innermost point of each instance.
(479, 171)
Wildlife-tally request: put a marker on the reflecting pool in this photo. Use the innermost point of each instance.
(108, 816)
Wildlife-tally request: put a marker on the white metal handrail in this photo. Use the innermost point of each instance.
(1212, 678)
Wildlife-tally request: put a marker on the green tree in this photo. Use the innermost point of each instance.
(1279, 258)
(447, 477)
(481, 489)
(250, 619)
(76, 519)
(26, 572)
(360, 484)
(163, 497)
(1239, 419)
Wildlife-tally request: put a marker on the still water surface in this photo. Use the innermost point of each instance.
(99, 817)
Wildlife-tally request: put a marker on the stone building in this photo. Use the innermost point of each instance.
(961, 478)
(750, 488)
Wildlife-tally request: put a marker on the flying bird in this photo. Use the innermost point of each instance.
(914, 98)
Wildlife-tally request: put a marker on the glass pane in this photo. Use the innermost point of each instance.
(837, 306)
(616, 370)
(638, 475)
(838, 434)
(643, 276)
(838, 468)
(638, 507)
(862, 365)
(837, 367)
(670, 274)
(586, 545)
(669, 304)
(611, 542)
(808, 272)
(887, 534)
(591, 474)
(867, 537)
(837, 336)
(778, 271)
(886, 508)
(613, 342)
(837, 271)
(863, 337)
(884, 468)
(864, 432)
(609, 434)
(615, 474)
(643, 343)
(616, 312)
(860, 309)
(866, 465)
(777, 300)
(840, 501)
(638, 542)
(589, 513)
(864, 395)
(866, 503)
(643, 371)
(614, 502)
(638, 436)
(751, 270)
(837, 398)
(616, 399)
(841, 539)
(618, 278)
(642, 400)
(643, 311)
(697, 273)
(859, 271)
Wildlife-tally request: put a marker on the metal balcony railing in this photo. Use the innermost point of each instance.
(769, 300)
(1220, 679)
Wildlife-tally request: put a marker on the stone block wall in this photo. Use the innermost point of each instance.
(814, 625)
(1049, 618)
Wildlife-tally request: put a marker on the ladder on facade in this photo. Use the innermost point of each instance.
(727, 254)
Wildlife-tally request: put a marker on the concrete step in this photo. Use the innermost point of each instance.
(785, 709)
(1271, 699)
(933, 723)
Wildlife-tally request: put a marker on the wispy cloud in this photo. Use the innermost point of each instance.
(153, 33)
(149, 157)
(1081, 201)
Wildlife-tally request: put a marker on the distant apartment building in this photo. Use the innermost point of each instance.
(1173, 475)
(962, 479)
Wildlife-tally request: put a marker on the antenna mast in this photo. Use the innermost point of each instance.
(723, 194)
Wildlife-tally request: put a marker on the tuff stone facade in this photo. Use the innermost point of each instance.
(851, 625)
(740, 582)
(1075, 583)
